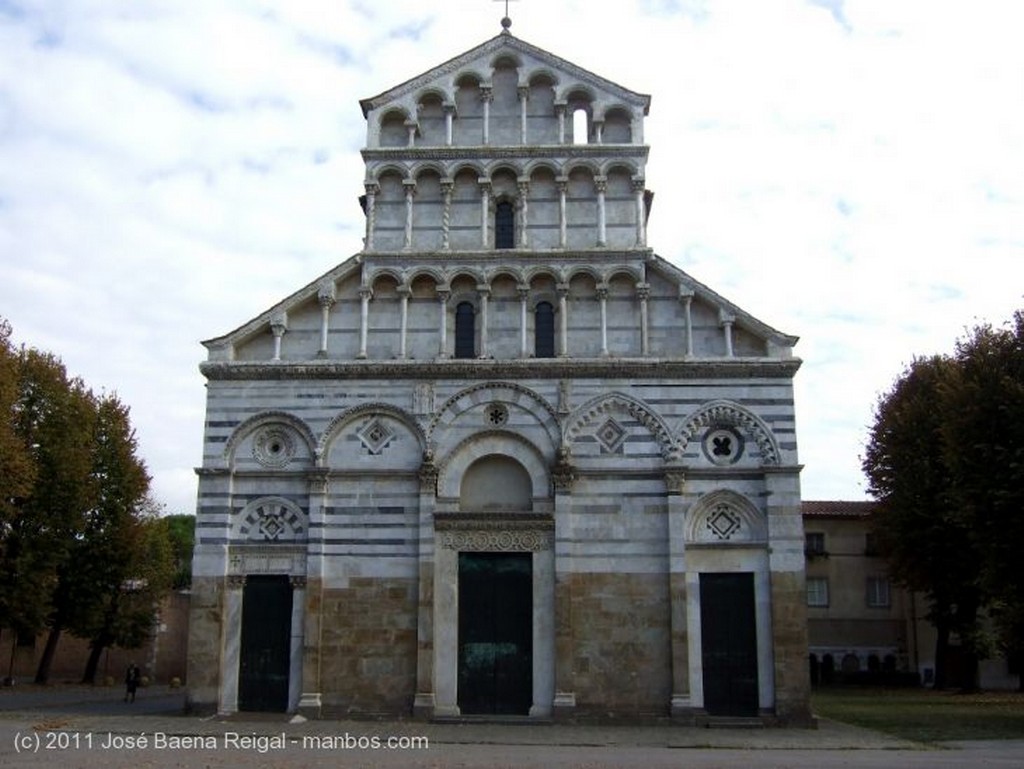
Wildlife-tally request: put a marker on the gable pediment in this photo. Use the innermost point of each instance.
(531, 61)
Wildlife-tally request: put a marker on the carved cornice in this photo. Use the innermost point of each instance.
(546, 368)
(490, 152)
(508, 532)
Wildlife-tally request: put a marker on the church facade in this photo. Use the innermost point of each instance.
(505, 459)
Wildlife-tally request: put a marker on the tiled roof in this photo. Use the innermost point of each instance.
(817, 508)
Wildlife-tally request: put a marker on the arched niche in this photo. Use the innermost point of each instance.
(503, 443)
(725, 517)
(496, 482)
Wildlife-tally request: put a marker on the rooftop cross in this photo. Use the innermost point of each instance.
(506, 22)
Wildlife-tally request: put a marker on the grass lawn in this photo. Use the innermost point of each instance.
(925, 715)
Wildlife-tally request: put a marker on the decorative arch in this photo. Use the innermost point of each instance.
(617, 164)
(540, 164)
(335, 426)
(630, 272)
(725, 517)
(584, 269)
(603, 404)
(385, 272)
(462, 167)
(544, 270)
(494, 273)
(542, 73)
(463, 271)
(507, 392)
(434, 273)
(264, 419)
(587, 166)
(488, 442)
(390, 169)
(723, 413)
(270, 519)
(426, 167)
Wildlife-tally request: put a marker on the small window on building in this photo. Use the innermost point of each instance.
(580, 129)
(878, 593)
(814, 543)
(544, 330)
(504, 225)
(465, 330)
(817, 591)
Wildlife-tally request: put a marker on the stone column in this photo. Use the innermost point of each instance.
(365, 293)
(446, 213)
(403, 321)
(639, 185)
(524, 296)
(562, 183)
(232, 630)
(298, 583)
(679, 639)
(326, 295)
(425, 700)
(686, 297)
(449, 114)
(601, 185)
(410, 126)
(726, 320)
(643, 293)
(485, 210)
(372, 190)
(310, 700)
(410, 193)
(562, 476)
(598, 131)
(443, 295)
(524, 95)
(487, 96)
(602, 295)
(524, 218)
(560, 108)
(278, 326)
(563, 318)
(485, 292)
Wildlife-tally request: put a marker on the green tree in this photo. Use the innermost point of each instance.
(918, 523)
(53, 417)
(983, 431)
(182, 532)
(105, 558)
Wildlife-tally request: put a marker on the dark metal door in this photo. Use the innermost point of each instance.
(729, 644)
(265, 656)
(495, 633)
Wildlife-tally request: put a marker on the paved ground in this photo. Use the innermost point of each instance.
(86, 727)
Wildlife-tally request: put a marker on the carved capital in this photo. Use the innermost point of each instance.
(562, 472)
(298, 582)
(236, 581)
(326, 293)
(675, 479)
(365, 292)
(639, 184)
(443, 294)
(279, 324)
(601, 184)
(602, 290)
(643, 291)
(428, 475)
(372, 189)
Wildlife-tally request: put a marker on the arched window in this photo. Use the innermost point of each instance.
(465, 330)
(580, 127)
(504, 225)
(544, 330)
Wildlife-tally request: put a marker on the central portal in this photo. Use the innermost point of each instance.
(495, 633)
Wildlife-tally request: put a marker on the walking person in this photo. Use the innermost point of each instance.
(132, 677)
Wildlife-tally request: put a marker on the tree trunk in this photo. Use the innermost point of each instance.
(98, 645)
(941, 652)
(46, 661)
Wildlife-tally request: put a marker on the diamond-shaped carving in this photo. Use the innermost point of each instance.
(723, 522)
(611, 435)
(375, 435)
(271, 525)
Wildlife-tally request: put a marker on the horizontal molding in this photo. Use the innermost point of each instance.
(546, 368)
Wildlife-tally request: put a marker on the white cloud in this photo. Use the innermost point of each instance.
(846, 170)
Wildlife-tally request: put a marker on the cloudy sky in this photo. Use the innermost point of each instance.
(849, 171)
